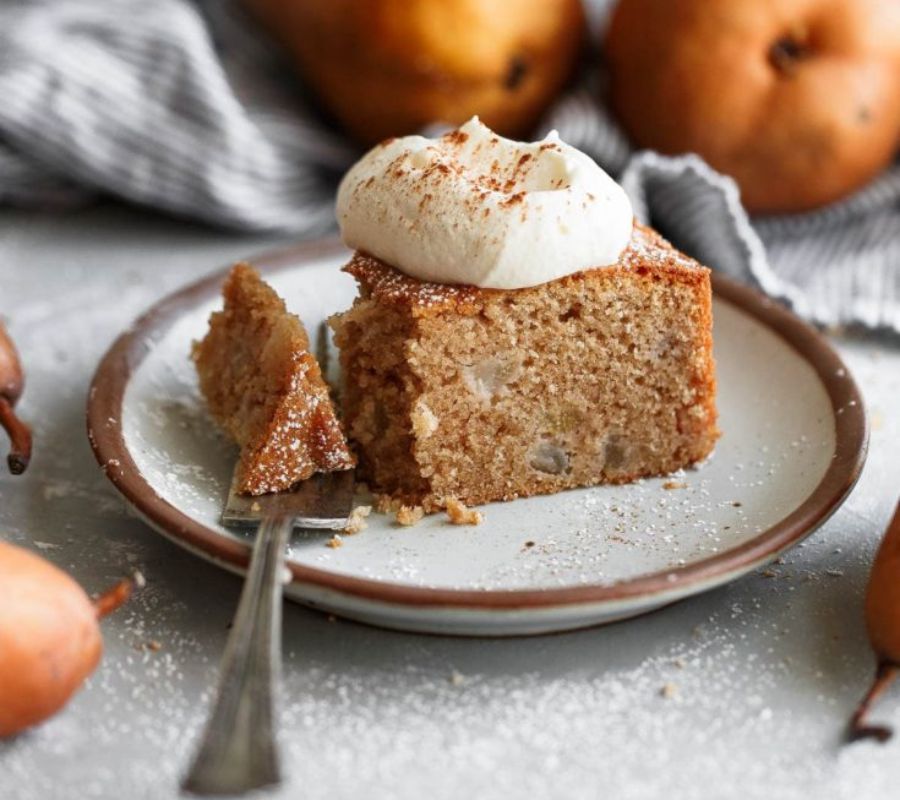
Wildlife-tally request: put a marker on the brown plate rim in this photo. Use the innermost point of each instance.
(104, 414)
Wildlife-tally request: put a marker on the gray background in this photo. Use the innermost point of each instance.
(763, 673)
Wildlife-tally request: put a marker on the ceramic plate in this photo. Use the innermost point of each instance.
(793, 444)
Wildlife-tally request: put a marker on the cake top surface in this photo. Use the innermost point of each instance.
(646, 250)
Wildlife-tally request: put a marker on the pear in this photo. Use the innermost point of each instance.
(390, 67)
(883, 626)
(49, 636)
(797, 100)
(12, 381)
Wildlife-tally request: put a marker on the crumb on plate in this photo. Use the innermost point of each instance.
(356, 521)
(461, 514)
(407, 516)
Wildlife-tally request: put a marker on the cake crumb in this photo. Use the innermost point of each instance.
(254, 348)
(461, 514)
(670, 485)
(255, 507)
(356, 522)
(678, 662)
(336, 541)
(457, 678)
(407, 516)
(385, 504)
(668, 691)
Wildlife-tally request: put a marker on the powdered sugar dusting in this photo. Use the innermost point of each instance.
(766, 670)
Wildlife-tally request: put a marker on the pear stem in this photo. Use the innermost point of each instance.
(118, 595)
(19, 437)
(859, 729)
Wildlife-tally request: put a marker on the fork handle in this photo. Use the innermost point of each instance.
(238, 752)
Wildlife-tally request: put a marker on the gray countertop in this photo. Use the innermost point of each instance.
(761, 675)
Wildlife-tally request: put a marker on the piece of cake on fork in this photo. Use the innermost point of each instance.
(515, 333)
(265, 388)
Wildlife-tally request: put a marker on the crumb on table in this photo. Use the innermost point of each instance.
(461, 514)
(407, 516)
(356, 521)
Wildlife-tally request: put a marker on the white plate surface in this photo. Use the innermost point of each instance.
(778, 419)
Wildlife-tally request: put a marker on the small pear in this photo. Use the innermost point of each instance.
(49, 636)
(12, 381)
(390, 67)
(883, 626)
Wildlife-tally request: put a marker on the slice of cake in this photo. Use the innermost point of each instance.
(603, 376)
(265, 388)
(487, 357)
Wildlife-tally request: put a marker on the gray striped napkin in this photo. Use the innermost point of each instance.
(184, 106)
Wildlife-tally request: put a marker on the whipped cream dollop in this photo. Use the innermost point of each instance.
(474, 208)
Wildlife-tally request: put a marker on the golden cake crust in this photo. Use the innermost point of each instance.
(385, 284)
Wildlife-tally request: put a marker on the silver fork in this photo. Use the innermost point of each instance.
(238, 751)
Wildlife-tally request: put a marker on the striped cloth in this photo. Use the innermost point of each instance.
(184, 106)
